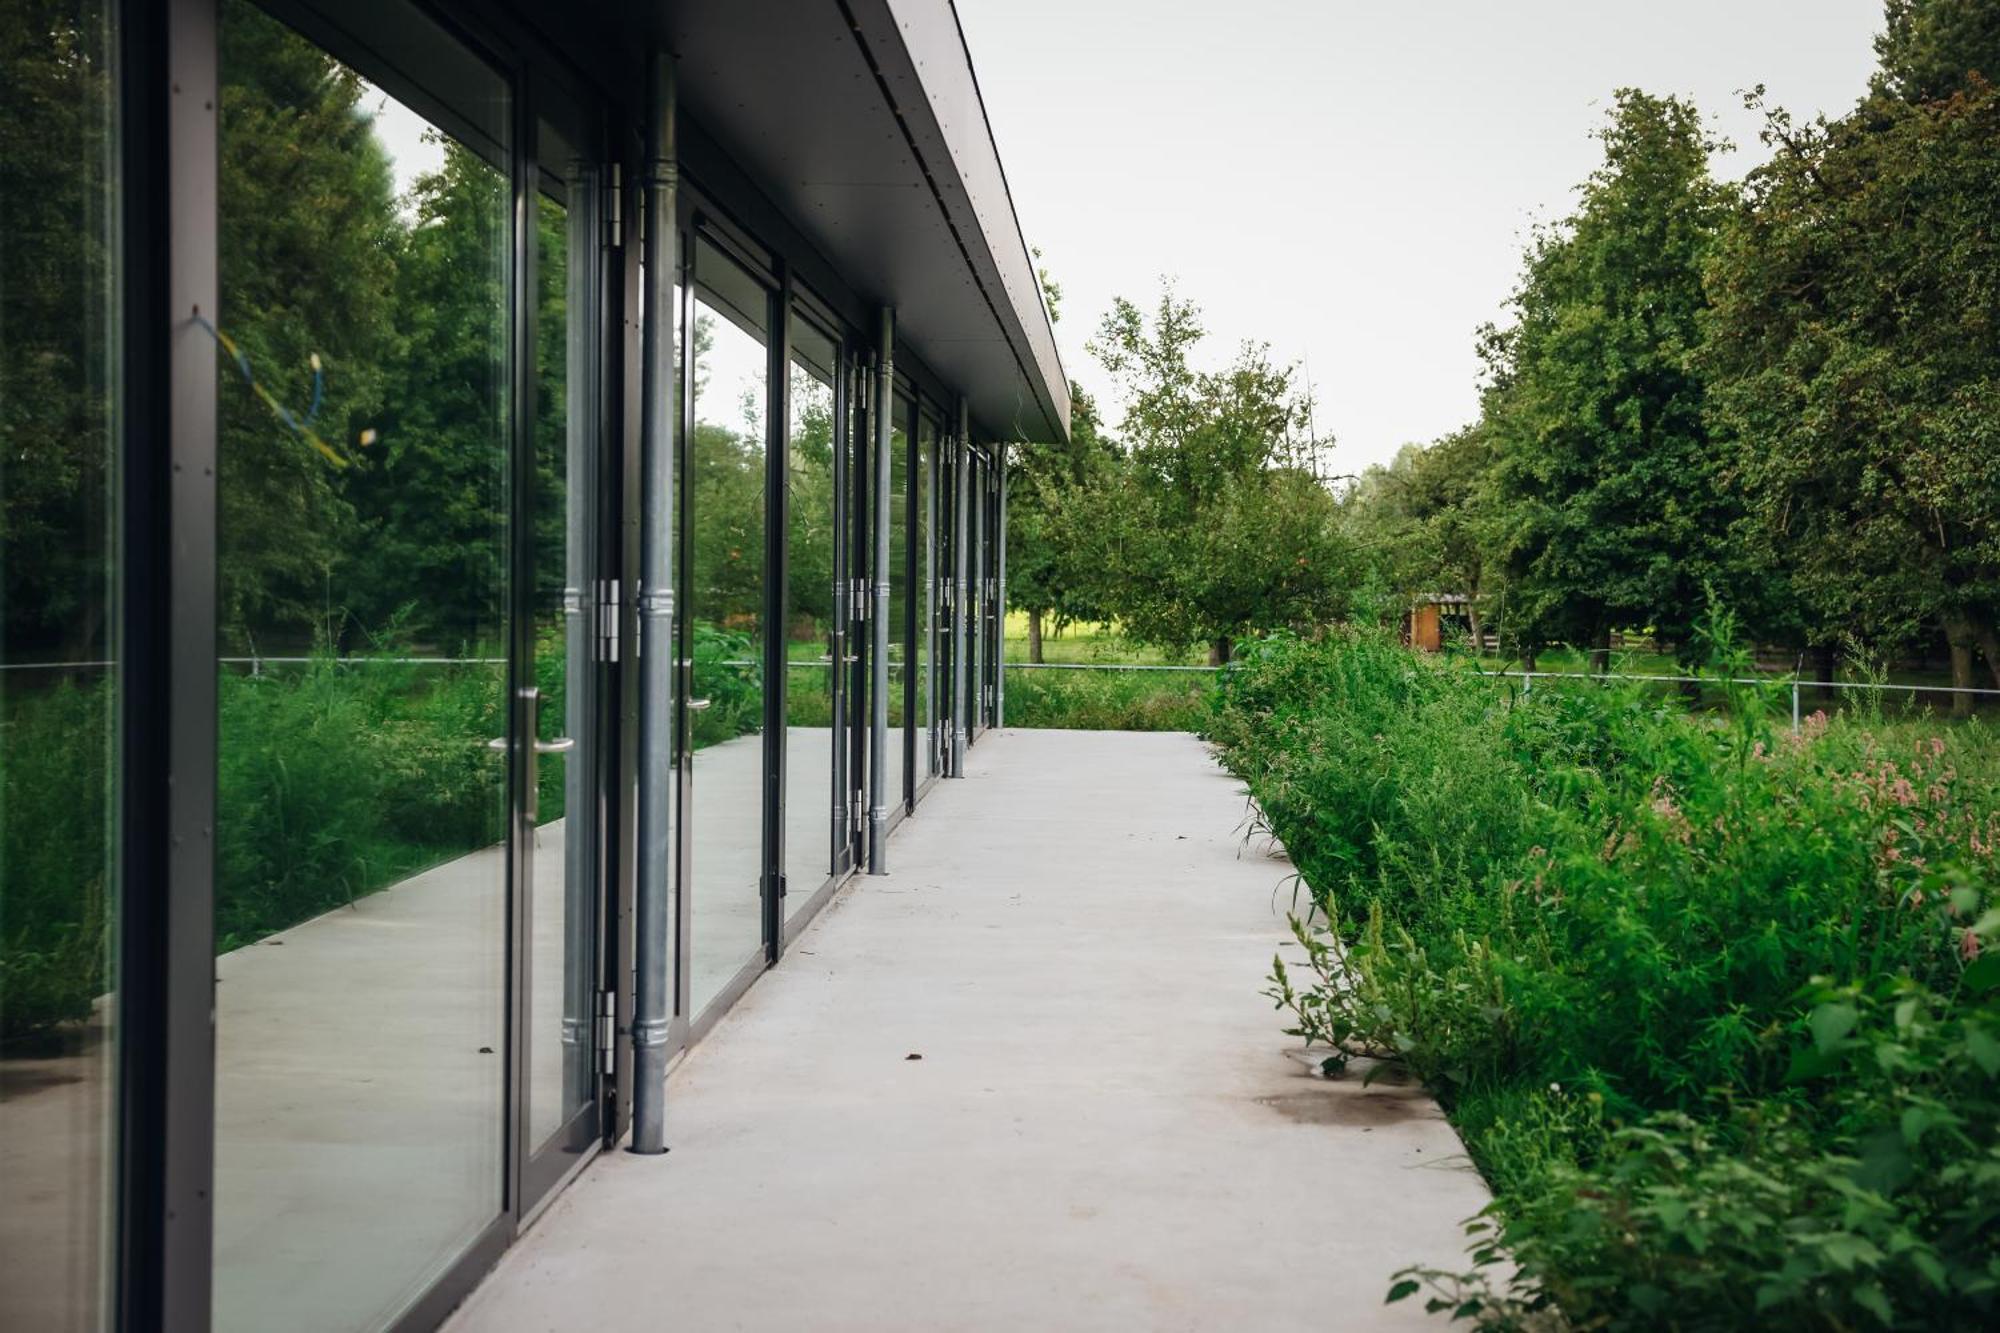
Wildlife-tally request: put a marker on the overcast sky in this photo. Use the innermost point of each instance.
(1351, 180)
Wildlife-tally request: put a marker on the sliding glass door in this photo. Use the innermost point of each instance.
(60, 663)
(366, 697)
(569, 624)
(412, 680)
(724, 493)
(815, 642)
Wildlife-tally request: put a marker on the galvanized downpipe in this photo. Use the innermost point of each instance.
(1000, 601)
(878, 777)
(653, 983)
(960, 596)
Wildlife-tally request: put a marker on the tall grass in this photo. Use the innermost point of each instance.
(335, 778)
(1711, 1005)
(1108, 700)
(55, 852)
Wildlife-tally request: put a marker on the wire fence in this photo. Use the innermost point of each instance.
(1104, 666)
(1796, 686)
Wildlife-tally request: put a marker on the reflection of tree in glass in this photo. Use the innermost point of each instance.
(809, 522)
(728, 484)
(309, 245)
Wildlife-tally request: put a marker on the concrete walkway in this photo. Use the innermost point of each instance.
(1104, 1130)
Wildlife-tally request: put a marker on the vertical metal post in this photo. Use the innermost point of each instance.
(653, 994)
(961, 644)
(1795, 705)
(837, 692)
(1000, 603)
(169, 284)
(878, 777)
(777, 605)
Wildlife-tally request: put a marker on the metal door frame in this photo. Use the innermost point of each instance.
(543, 1168)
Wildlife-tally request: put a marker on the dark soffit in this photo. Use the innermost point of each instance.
(861, 121)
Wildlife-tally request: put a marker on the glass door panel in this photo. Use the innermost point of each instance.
(857, 485)
(898, 574)
(975, 598)
(561, 920)
(364, 438)
(927, 607)
(811, 648)
(59, 673)
(724, 493)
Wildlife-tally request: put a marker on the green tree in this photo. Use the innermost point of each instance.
(809, 506)
(56, 99)
(1611, 504)
(1856, 355)
(1419, 522)
(1046, 577)
(1929, 49)
(309, 244)
(1218, 525)
(433, 493)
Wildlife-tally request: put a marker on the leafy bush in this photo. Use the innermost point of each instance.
(1108, 700)
(726, 668)
(1708, 1002)
(342, 777)
(55, 850)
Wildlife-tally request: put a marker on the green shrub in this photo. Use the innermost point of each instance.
(341, 777)
(727, 669)
(1107, 700)
(1601, 928)
(55, 853)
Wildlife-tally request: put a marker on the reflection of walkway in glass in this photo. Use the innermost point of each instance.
(358, 1093)
(726, 931)
(53, 1162)
(359, 1088)
(360, 1060)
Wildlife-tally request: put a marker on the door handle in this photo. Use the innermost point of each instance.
(696, 705)
(560, 745)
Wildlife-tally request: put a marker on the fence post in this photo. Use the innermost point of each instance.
(1795, 705)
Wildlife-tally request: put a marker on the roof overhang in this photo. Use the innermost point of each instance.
(861, 122)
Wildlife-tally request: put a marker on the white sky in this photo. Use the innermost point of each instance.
(1351, 180)
(401, 132)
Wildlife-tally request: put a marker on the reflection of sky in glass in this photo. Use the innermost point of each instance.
(401, 132)
(732, 376)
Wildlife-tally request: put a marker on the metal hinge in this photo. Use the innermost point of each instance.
(614, 205)
(860, 595)
(608, 620)
(607, 1031)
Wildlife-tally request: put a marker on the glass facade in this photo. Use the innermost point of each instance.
(811, 675)
(925, 509)
(59, 660)
(390, 689)
(724, 619)
(898, 574)
(562, 916)
(364, 536)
